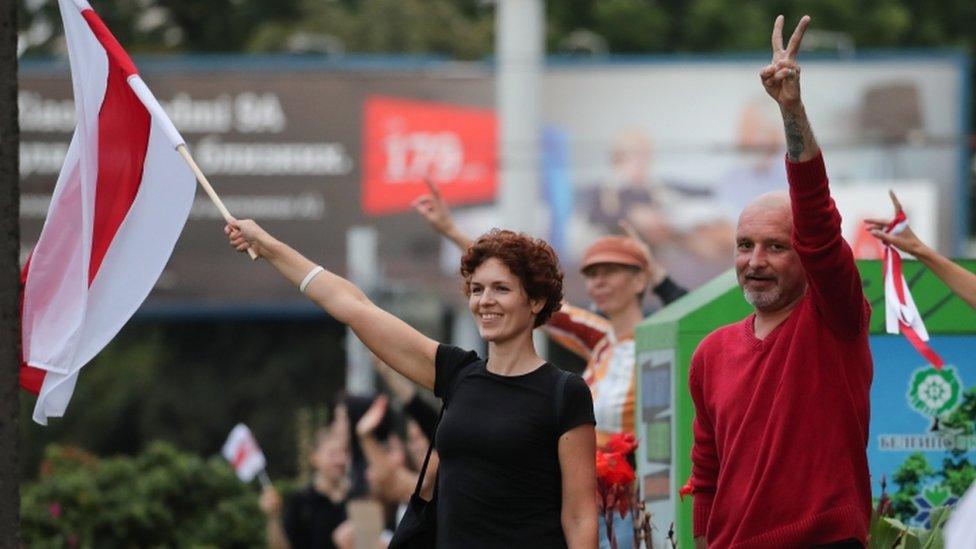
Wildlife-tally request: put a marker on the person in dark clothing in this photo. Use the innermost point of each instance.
(513, 283)
(618, 271)
(311, 516)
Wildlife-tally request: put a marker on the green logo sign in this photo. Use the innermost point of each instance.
(934, 393)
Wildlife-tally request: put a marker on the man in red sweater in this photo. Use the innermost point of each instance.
(782, 397)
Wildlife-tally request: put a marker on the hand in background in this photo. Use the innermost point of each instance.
(270, 502)
(905, 241)
(433, 208)
(373, 416)
(656, 271)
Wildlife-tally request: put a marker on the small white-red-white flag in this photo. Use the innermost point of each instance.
(119, 205)
(243, 453)
(901, 314)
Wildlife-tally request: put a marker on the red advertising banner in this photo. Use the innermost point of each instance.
(405, 141)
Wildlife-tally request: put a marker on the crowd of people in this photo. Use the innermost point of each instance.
(781, 397)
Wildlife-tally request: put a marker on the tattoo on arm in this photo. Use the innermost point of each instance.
(800, 143)
(794, 137)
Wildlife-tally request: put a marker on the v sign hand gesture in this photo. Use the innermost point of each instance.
(781, 77)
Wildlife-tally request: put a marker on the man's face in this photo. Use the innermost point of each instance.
(769, 270)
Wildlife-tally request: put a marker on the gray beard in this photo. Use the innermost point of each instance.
(762, 300)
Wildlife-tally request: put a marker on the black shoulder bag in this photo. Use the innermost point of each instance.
(418, 527)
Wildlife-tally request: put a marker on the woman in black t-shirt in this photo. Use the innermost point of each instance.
(516, 441)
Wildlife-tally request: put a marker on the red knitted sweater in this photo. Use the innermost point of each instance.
(781, 427)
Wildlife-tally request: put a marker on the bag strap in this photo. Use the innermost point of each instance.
(430, 449)
(560, 389)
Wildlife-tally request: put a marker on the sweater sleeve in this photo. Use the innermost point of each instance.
(826, 257)
(576, 329)
(704, 456)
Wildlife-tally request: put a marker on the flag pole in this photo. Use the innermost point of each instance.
(263, 477)
(202, 179)
(152, 105)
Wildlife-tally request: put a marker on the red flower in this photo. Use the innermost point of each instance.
(686, 490)
(612, 469)
(622, 443)
(54, 509)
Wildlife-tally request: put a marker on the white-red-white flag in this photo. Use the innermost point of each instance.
(901, 314)
(243, 453)
(120, 203)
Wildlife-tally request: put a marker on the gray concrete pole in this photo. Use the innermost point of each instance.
(519, 52)
(361, 262)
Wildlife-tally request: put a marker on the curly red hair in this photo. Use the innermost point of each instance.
(530, 259)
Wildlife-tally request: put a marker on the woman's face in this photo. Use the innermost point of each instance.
(613, 288)
(501, 308)
(330, 457)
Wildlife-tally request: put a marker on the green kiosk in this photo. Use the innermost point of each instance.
(922, 438)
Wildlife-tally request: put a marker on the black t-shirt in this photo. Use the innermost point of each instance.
(499, 481)
(310, 518)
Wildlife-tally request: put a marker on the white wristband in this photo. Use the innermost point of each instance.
(308, 278)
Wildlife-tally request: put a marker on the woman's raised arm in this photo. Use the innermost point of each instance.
(394, 341)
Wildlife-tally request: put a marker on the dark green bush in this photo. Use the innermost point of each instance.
(160, 498)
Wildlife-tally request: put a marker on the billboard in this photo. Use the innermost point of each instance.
(674, 145)
(922, 441)
(309, 154)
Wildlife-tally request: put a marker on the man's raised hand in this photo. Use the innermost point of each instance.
(781, 77)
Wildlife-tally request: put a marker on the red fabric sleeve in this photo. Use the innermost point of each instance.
(827, 258)
(577, 329)
(704, 456)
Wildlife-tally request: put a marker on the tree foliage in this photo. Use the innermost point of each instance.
(464, 28)
(188, 383)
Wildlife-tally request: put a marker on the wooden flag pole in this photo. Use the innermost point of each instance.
(202, 179)
(263, 477)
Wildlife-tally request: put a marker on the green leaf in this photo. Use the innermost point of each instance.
(882, 532)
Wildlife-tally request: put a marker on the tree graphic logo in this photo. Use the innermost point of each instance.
(931, 498)
(935, 393)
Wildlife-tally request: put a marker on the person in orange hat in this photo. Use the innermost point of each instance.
(618, 271)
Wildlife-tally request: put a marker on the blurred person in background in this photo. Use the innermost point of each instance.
(421, 416)
(392, 471)
(684, 224)
(958, 279)
(355, 407)
(315, 516)
(782, 397)
(759, 139)
(618, 271)
(516, 440)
